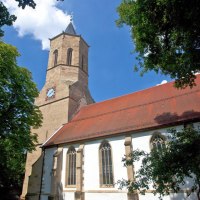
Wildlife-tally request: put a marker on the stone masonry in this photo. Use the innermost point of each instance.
(70, 84)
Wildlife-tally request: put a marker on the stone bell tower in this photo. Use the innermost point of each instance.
(64, 93)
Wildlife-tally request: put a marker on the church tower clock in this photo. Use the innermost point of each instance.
(64, 92)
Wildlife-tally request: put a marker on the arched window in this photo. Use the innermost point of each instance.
(157, 141)
(106, 168)
(55, 53)
(71, 167)
(69, 56)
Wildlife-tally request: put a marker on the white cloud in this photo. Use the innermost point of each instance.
(43, 22)
(162, 82)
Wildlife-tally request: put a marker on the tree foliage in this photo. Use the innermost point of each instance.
(167, 170)
(6, 18)
(24, 3)
(166, 34)
(17, 115)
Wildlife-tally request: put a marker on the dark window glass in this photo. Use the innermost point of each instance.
(158, 141)
(82, 62)
(55, 57)
(69, 56)
(71, 166)
(106, 164)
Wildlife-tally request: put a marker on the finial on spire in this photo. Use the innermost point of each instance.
(71, 18)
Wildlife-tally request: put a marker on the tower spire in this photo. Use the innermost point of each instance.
(70, 28)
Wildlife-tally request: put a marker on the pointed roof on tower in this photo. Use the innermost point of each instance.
(70, 29)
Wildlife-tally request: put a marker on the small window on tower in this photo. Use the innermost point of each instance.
(69, 56)
(82, 62)
(55, 53)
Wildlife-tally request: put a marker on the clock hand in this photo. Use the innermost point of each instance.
(51, 92)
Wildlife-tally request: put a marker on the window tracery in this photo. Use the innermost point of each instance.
(71, 167)
(157, 141)
(106, 168)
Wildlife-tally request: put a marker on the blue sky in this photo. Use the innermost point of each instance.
(111, 60)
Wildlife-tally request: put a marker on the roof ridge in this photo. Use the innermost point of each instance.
(134, 92)
(138, 91)
(152, 102)
(96, 103)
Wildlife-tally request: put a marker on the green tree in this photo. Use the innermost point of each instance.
(166, 34)
(167, 169)
(6, 18)
(17, 115)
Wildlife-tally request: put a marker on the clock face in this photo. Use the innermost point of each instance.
(51, 93)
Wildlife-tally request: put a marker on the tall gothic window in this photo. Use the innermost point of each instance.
(55, 53)
(69, 56)
(157, 141)
(71, 167)
(106, 168)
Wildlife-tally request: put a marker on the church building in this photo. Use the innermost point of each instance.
(81, 143)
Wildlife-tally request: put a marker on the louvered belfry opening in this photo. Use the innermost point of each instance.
(69, 56)
(71, 167)
(106, 164)
(55, 53)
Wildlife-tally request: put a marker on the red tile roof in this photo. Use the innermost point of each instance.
(155, 107)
